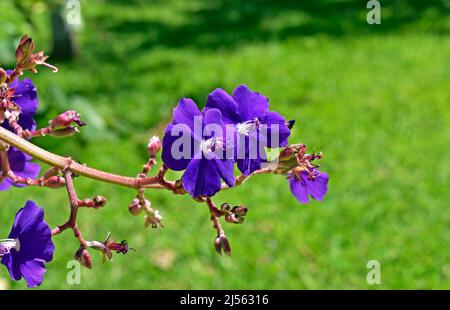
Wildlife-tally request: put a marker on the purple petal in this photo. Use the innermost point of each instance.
(298, 189)
(6, 184)
(185, 112)
(276, 125)
(221, 100)
(26, 97)
(201, 178)
(13, 268)
(172, 157)
(318, 187)
(250, 153)
(250, 104)
(33, 272)
(225, 168)
(21, 166)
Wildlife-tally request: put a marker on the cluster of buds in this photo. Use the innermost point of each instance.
(153, 217)
(26, 59)
(235, 215)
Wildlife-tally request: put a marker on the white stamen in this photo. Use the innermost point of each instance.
(247, 127)
(11, 244)
(208, 145)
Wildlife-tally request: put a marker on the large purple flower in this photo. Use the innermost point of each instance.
(25, 96)
(197, 142)
(303, 184)
(256, 127)
(29, 245)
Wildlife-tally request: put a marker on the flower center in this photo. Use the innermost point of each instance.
(247, 127)
(211, 145)
(6, 245)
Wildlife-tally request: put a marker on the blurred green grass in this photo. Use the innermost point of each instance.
(375, 99)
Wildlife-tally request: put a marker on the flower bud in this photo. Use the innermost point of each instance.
(240, 210)
(51, 172)
(3, 76)
(83, 256)
(225, 207)
(154, 146)
(99, 201)
(234, 218)
(24, 49)
(65, 120)
(218, 245)
(225, 245)
(54, 182)
(135, 208)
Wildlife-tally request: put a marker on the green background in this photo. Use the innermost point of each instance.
(374, 98)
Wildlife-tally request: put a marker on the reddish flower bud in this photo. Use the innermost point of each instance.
(24, 49)
(240, 210)
(218, 245)
(225, 207)
(99, 201)
(54, 182)
(225, 244)
(3, 76)
(66, 120)
(135, 208)
(234, 218)
(154, 146)
(83, 256)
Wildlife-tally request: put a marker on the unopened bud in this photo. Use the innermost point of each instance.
(234, 218)
(99, 201)
(51, 172)
(3, 76)
(240, 210)
(225, 245)
(66, 120)
(154, 146)
(24, 49)
(55, 182)
(218, 245)
(135, 208)
(225, 207)
(83, 256)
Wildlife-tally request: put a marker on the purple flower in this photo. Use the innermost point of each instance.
(25, 96)
(303, 184)
(20, 163)
(256, 127)
(29, 245)
(202, 152)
